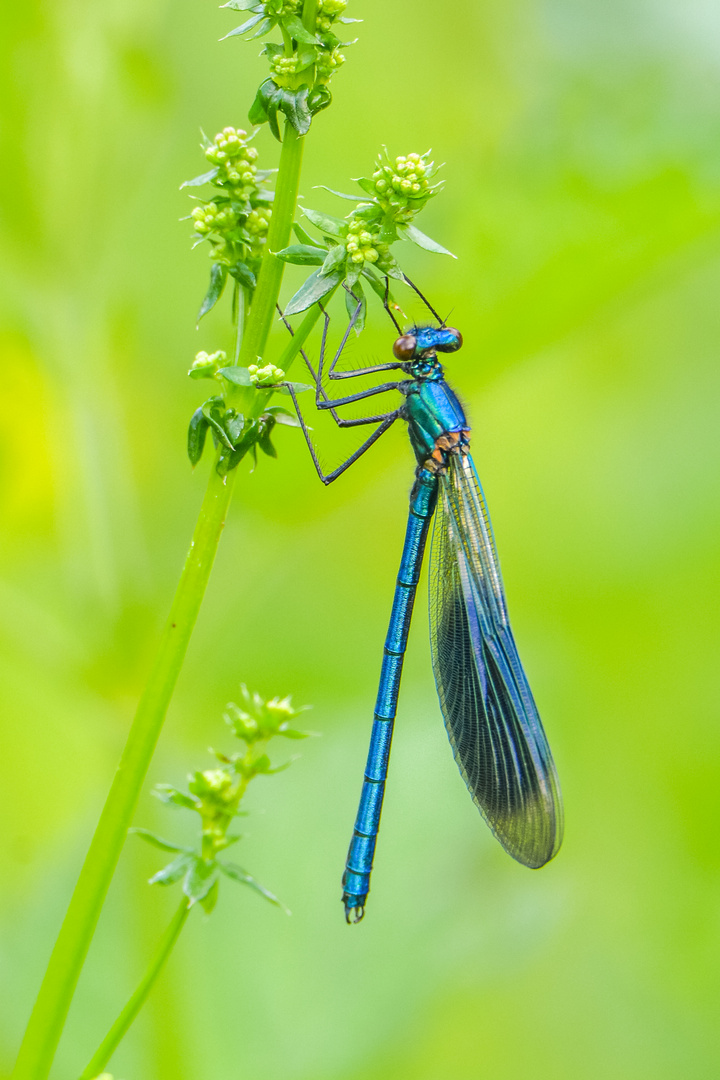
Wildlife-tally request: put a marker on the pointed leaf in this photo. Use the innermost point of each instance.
(318, 99)
(235, 873)
(242, 273)
(303, 237)
(351, 303)
(334, 259)
(214, 413)
(267, 92)
(331, 225)
(302, 255)
(156, 841)
(218, 277)
(209, 900)
(247, 25)
(239, 376)
(200, 880)
(204, 178)
(423, 241)
(197, 431)
(296, 30)
(340, 194)
(367, 185)
(298, 387)
(282, 416)
(263, 28)
(293, 104)
(313, 290)
(242, 5)
(173, 871)
(168, 794)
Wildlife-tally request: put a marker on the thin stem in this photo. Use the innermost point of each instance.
(240, 322)
(271, 271)
(119, 1029)
(58, 986)
(68, 956)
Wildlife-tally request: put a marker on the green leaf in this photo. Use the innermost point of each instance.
(242, 273)
(218, 277)
(247, 25)
(168, 794)
(204, 178)
(267, 91)
(331, 225)
(214, 412)
(334, 259)
(242, 5)
(388, 232)
(306, 56)
(234, 424)
(340, 194)
(352, 273)
(367, 185)
(302, 255)
(197, 432)
(263, 28)
(235, 873)
(239, 376)
(264, 441)
(210, 899)
(282, 416)
(313, 289)
(319, 98)
(409, 232)
(298, 387)
(293, 103)
(200, 880)
(173, 871)
(156, 841)
(351, 304)
(303, 237)
(296, 30)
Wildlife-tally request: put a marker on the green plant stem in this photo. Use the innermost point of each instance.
(51, 1007)
(119, 1029)
(266, 295)
(68, 956)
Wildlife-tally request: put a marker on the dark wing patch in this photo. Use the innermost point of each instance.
(490, 715)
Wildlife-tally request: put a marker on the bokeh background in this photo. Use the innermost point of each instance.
(582, 198)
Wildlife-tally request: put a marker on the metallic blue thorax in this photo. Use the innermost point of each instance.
(431, 407)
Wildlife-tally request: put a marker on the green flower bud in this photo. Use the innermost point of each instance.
(265, 375)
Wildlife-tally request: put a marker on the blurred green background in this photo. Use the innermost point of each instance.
(583, 200)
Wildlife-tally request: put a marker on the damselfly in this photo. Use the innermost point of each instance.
(490, 715)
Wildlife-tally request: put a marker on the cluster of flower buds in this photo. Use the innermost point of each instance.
(362, 245)
(403, 186)
(283, 66)
(205, 364)
(328, 61)
(255, 720)
(209, 218)
(257, 225)
(266, 376)
(327, 12)
(233, 157)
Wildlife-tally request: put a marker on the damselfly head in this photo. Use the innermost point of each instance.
(423, 341)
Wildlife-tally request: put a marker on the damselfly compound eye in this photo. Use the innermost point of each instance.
(452, 340)
(404, 347)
